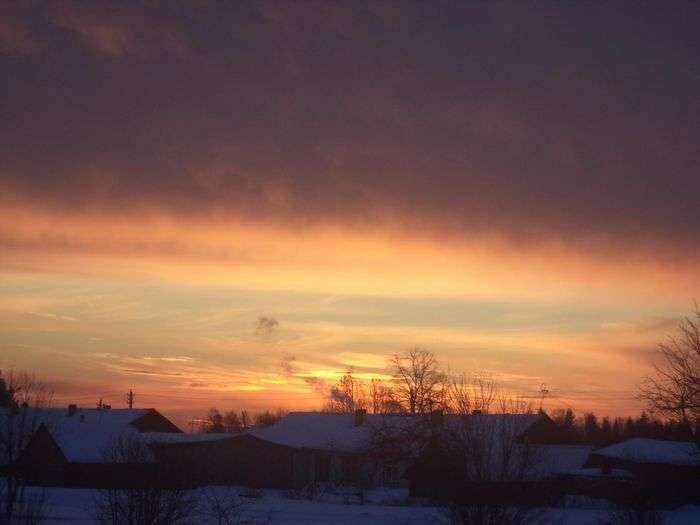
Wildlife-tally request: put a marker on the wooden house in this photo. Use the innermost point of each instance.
(91, 447)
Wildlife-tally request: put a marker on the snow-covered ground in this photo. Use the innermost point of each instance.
(276, 508)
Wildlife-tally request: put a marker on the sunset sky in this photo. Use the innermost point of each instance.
(213, 202)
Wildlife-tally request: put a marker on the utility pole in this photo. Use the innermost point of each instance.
(543, 392)
(130, 398)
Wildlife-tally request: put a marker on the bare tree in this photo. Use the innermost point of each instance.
(246, 419)
(148, 501)
(232, 423)
(224, 505)
(267, 418)
(485, 448)
(22, 398)
(674, 390)
(214, 422)
(382, 399)
(493, 515)
(470, 394)
(419, 383)
(641, 514)
(347, 395)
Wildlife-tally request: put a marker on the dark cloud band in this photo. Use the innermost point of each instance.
(556, 121)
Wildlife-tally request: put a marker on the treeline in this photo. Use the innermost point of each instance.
(233, 421)
(589, 429)
(415, 385)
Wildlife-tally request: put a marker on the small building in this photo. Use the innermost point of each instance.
(224, 459)
(657, 472)
(650, 461)
(388, 449)
(341, 448)
(496, 458)
(301, 449)
(91, 447)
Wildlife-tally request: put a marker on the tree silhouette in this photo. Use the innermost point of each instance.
(674, 390)
(420, 386)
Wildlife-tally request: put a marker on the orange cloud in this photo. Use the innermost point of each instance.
(336, 259)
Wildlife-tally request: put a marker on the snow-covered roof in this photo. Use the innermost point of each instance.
(643, 450)
(88, 434)
(318, 430)
(333, 431)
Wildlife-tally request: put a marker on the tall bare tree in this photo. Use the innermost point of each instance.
(674, 389)
(22, 397)
(152, 500)
(470, 394)
(382, 399)
(419, 383)
(347, 395)
(487, 447)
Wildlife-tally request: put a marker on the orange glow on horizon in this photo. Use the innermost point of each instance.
(340, 261)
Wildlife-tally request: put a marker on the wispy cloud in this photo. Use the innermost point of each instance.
(55, 317)
(170, 359)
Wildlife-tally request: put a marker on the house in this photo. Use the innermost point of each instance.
(123, 447)
(654, 471)
(350, 448)
(90, 447)
(493, 457)
(388, 449)
(650, 461)
(340, 447)
(301, 449)
(227, 459)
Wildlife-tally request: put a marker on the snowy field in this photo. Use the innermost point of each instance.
(274, 508)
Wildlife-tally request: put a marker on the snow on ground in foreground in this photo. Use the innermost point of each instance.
(76, 506)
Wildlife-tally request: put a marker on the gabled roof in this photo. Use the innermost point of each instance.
(318, 430)
(334, 431)
(643, 450)
(86, 435)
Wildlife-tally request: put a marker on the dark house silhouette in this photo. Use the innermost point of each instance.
(301, 449)
(659, 470)
(73, 447)
(496, 458)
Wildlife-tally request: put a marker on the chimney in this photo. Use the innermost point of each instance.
(72, 409)
(360, 416)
